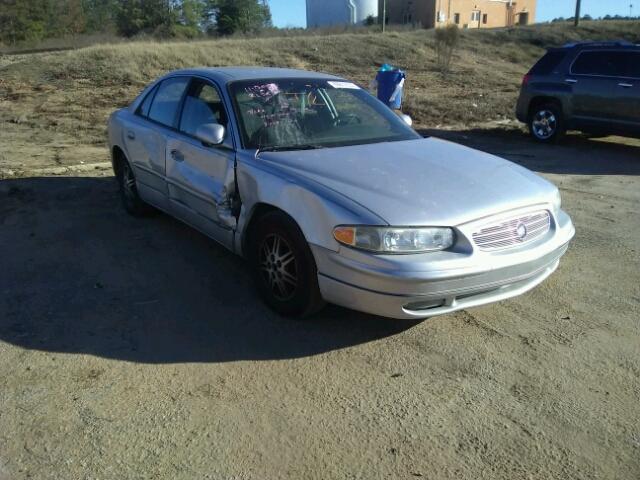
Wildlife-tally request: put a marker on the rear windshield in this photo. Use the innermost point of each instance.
(548, 63)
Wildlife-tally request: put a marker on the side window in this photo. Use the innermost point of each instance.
(605, 63)
(549, 62)
(201, 105)
(165, 104)
(634, 62)
(621, 63)
(143, 109)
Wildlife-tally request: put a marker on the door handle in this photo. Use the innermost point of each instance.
(131, 135)
(625, 85)
(571, 80)
(177, 155)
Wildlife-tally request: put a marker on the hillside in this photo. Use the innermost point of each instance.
(53, 106)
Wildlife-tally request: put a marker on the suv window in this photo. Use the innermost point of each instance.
(165, 103)
(202, 105)
(634, 64)
(548, 63)
(604, 63)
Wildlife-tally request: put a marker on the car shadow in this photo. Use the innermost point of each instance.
(574, 154)
(81, 276)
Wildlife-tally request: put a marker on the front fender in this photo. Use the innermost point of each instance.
(315, 208)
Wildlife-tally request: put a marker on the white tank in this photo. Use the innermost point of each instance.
(324, 13)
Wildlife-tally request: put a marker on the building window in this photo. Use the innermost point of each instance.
(475, 16)
(456, 18)
(485, 17)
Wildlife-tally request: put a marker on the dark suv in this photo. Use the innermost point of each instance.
(592, 87)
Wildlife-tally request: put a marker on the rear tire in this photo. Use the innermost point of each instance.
(131, 200)
(284, 268)
(546, 123)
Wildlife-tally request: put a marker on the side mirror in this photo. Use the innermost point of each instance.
(406, 119)
(210, 133)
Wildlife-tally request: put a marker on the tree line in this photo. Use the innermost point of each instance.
(35, 20)
(588, 17)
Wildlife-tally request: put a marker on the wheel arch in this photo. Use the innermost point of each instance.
(117, 158)
(258, 211)
(540, 100)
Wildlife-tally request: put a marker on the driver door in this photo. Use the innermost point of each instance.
(200, 178)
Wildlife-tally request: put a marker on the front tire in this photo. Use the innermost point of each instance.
(546, 123)
(284, 268)
(131, 200)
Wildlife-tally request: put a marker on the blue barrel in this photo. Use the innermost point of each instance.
(388, 83)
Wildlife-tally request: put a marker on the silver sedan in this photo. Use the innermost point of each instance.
(332, 197)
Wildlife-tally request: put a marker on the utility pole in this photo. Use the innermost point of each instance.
(384, 15)
(577, 19)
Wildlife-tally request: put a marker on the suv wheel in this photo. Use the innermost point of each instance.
(546, 123)
(284, 267)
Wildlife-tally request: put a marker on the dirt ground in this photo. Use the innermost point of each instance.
(138, 349)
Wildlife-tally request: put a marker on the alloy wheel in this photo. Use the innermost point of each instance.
(544, 124)
(278, 267)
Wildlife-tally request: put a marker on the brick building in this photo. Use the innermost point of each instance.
(464, 13)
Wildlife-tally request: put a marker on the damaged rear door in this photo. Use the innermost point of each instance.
(201, 179)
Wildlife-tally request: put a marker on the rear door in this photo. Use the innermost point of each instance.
(594, 78)
(627, 91)
(146, 138)
(201, 178)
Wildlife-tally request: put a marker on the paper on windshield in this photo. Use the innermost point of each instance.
(347, 85)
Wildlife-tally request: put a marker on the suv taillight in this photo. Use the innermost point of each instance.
(525, 80)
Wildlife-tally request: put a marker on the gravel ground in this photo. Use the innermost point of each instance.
(138, 349)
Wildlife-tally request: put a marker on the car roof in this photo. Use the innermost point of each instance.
(231, 74)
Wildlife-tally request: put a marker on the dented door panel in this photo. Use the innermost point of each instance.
(200, 183)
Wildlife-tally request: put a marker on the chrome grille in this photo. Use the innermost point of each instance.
(513, 232)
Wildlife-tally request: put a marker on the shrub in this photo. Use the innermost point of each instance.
(447, 40)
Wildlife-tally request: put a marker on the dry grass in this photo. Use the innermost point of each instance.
(53, 106)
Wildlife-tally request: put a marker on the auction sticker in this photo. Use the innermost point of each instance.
(348, 85)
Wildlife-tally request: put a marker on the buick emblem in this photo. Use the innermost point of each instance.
(521, 231)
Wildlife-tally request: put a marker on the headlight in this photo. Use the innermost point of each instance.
(394, 239)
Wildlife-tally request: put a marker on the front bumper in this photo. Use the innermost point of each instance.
(422, 286)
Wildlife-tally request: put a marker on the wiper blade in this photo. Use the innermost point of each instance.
(288, 148)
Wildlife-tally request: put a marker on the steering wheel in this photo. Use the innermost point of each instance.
(348, 119)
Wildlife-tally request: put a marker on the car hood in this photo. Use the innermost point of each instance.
(419, 182)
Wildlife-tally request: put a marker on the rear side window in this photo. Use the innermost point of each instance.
(548, 63)
(146, 104)
(602, 63)
(167, 100)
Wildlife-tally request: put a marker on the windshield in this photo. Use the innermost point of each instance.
(291, 114)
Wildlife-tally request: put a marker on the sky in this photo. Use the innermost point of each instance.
(292, 13)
